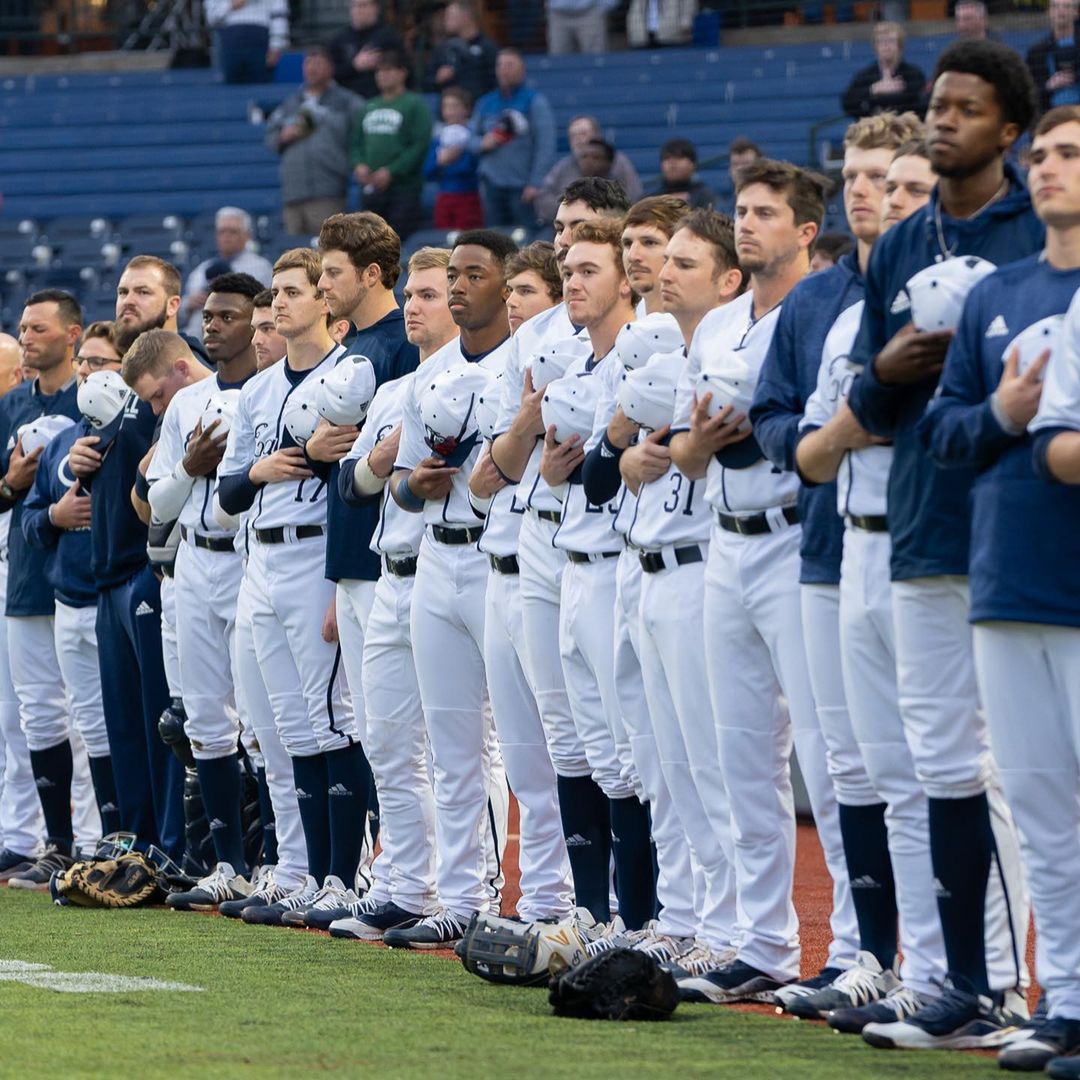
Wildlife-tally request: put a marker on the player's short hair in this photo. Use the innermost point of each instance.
(301, 258)
(262, 299)
(607, 197)
(833, 245)
(366, 238)
(912, 148)
(742, 145)
(601, 231)
(883, 28)
(1055, 117)
(429, 258)
(170, 276)
(803, 189)
(498, 244)
(153, 352)
(999, 66)
(540, 258)
(102, 330)
(666, 212)
(717, 230)
(885, 130)
(67, 307)
(237, 284)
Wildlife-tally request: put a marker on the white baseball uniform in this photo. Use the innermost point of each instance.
(170, 643)
(447, 625)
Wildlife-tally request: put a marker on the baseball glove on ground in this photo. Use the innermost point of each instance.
(126, 881)
(616, 985)
(520, 954)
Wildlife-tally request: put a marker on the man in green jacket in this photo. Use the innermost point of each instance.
(387, 146)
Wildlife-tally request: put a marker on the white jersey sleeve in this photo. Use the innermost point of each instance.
(1059, 405)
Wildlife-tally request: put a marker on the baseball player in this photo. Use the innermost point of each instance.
(56, 519)
(1025, 637)
(268, 344)
(649, 225)
(545, 869)
(600, 299)
(396, 737)
(264, 471)
(668, 533)
(148, 298)
(208, 566)
(753, 638)
(447, 613)
(878, 766)
(981, 102)
(516, 453)
(856, 842)
(49, 330)
(21, 821)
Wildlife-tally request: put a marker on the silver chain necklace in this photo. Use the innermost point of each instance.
(946, 251)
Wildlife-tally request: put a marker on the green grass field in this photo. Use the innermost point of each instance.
(279, 1003)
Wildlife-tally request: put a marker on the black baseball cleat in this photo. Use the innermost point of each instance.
(222, 884)
(735, 982)
(864, 982)
(13, 863)
(270, 914)
(324, 919)
(898, 1004)
(805, 987)
(1035, 1045)
(441, 931)
(373, 925)
(1064, 1068)
(37, 876)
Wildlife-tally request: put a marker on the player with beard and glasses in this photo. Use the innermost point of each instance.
(856, 844)
(516, 453)
(981, 102)
(49, 329)
(148, 298)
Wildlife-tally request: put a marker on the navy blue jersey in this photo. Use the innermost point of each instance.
(28, 589)
(350, 528)
(788, 377)
(929, 514)
(1023, 566)
(67, 551)
(117, 536)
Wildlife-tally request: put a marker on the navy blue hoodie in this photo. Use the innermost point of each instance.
(1023, 565)
(929, 513)
(788, 377)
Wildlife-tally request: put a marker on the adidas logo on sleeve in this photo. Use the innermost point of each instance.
(901, 302)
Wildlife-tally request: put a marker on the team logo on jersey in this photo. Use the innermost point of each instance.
(901, 303)
(998, 327)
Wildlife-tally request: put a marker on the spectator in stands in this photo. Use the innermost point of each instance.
(357, 48)
(741, 152)
(577, 26)
(466, 58)
(310, 130)
(514, 133)
(650, 23)
(1055, 59)
(388, 144)
(453, 166)
(249, 37)
(971, 23)
(678, 163)
(828, 248)
(232, 233)
(582, 133)
(890, 83)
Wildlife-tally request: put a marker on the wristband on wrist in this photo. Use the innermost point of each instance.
(407, 497)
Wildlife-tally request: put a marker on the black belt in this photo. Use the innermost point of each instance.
(278, 535)
(211, 543)
(549, 515)
(869, 522)
(652, 562)
(456, 536)
(755, 524)
(504, 564)
(405, 567)
(584, 556)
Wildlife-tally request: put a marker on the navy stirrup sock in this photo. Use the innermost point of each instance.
(348, 783)
(586, 823)
(52, 771)
(312, 799)
(101, 775)
(219, 780)
(631, 847)
(870, 872)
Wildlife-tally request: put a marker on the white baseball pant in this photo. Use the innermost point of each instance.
(950, 745)
(680, 881)
(1029, 676)
(869, 663)
(204, 592)
(673, 666)
(544, 865)
(256, 710)
(75, 639)
(447, 625)
(170, 646)
(396, 745)
(302, 673)
(540, 586)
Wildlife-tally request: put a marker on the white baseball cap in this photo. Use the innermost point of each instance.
(347, 391)
(220, 407)
(102, 399)
(938, 292)
(487, 408)
(570, 404)
(730, 383)
(300, 416)
(656, 333)
(647, 394)
(448, 410)
(552, 362)
(40, 432)
(1035, 340)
